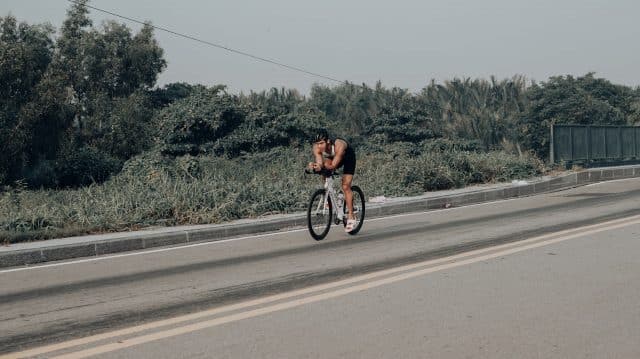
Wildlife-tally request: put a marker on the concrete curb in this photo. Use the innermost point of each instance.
(88, 246)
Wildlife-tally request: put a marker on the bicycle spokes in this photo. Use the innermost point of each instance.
(321, 209)
(319, 215)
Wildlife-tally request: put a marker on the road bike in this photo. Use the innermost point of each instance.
(328, 205)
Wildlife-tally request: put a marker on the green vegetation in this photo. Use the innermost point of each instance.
(153, 190)
(82, 104)
(89, 144)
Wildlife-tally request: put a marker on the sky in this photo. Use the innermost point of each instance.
(402, 43)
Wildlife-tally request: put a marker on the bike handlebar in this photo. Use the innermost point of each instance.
(324, 172)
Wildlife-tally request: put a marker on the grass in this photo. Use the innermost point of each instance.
(156, 191)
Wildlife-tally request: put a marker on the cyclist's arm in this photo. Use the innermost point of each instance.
(317, 154)
(340, 147)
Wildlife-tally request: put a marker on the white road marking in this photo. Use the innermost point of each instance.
(355, 284)
(222, 241)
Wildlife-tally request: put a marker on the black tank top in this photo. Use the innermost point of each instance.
(333, 150)
(349, 150)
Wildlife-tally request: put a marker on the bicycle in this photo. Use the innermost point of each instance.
(320, 212)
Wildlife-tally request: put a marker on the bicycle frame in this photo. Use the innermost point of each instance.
(333, 197)
(328, 199)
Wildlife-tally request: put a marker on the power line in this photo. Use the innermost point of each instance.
(210, 43)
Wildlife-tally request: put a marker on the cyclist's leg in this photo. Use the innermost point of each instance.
(326, 162)
(347, 179)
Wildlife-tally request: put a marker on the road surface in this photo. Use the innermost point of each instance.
(549, 276)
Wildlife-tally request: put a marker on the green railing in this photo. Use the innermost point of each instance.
(587, 143)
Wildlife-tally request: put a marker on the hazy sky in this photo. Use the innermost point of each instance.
(403, 43)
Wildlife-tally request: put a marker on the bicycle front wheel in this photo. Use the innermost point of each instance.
(319, 215)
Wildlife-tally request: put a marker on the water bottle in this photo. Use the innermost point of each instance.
(340, 199)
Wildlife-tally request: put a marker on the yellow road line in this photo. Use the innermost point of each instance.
(315, 298)
(498, 251)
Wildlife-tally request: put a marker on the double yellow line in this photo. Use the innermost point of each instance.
(120, 339)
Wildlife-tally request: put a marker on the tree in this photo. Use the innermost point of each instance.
(193, 124)
(565, 99)
(130, 131)
(481, 110)
(400, 117)
(25, 54)
(349, 108)
(57, 96)
(161, 97)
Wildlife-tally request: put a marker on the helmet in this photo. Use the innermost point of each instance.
(321, 135)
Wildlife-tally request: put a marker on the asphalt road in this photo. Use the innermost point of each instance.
(554, 275)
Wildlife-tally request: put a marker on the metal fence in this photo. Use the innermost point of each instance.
(587, 143)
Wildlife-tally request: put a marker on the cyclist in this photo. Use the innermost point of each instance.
(333, 153)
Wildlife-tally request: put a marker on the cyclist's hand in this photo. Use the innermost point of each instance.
(314, 166)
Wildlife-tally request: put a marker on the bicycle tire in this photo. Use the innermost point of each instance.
(319, 227)
(358, 202)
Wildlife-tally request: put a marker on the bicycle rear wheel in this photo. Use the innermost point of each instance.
(319, 216)
(358, 209)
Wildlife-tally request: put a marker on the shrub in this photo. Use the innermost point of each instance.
(192, 125)
(85, 166)
(42, 174)
(154, 190)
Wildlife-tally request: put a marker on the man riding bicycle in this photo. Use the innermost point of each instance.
(331, 154)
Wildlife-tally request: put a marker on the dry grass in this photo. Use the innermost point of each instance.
(152, 191)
